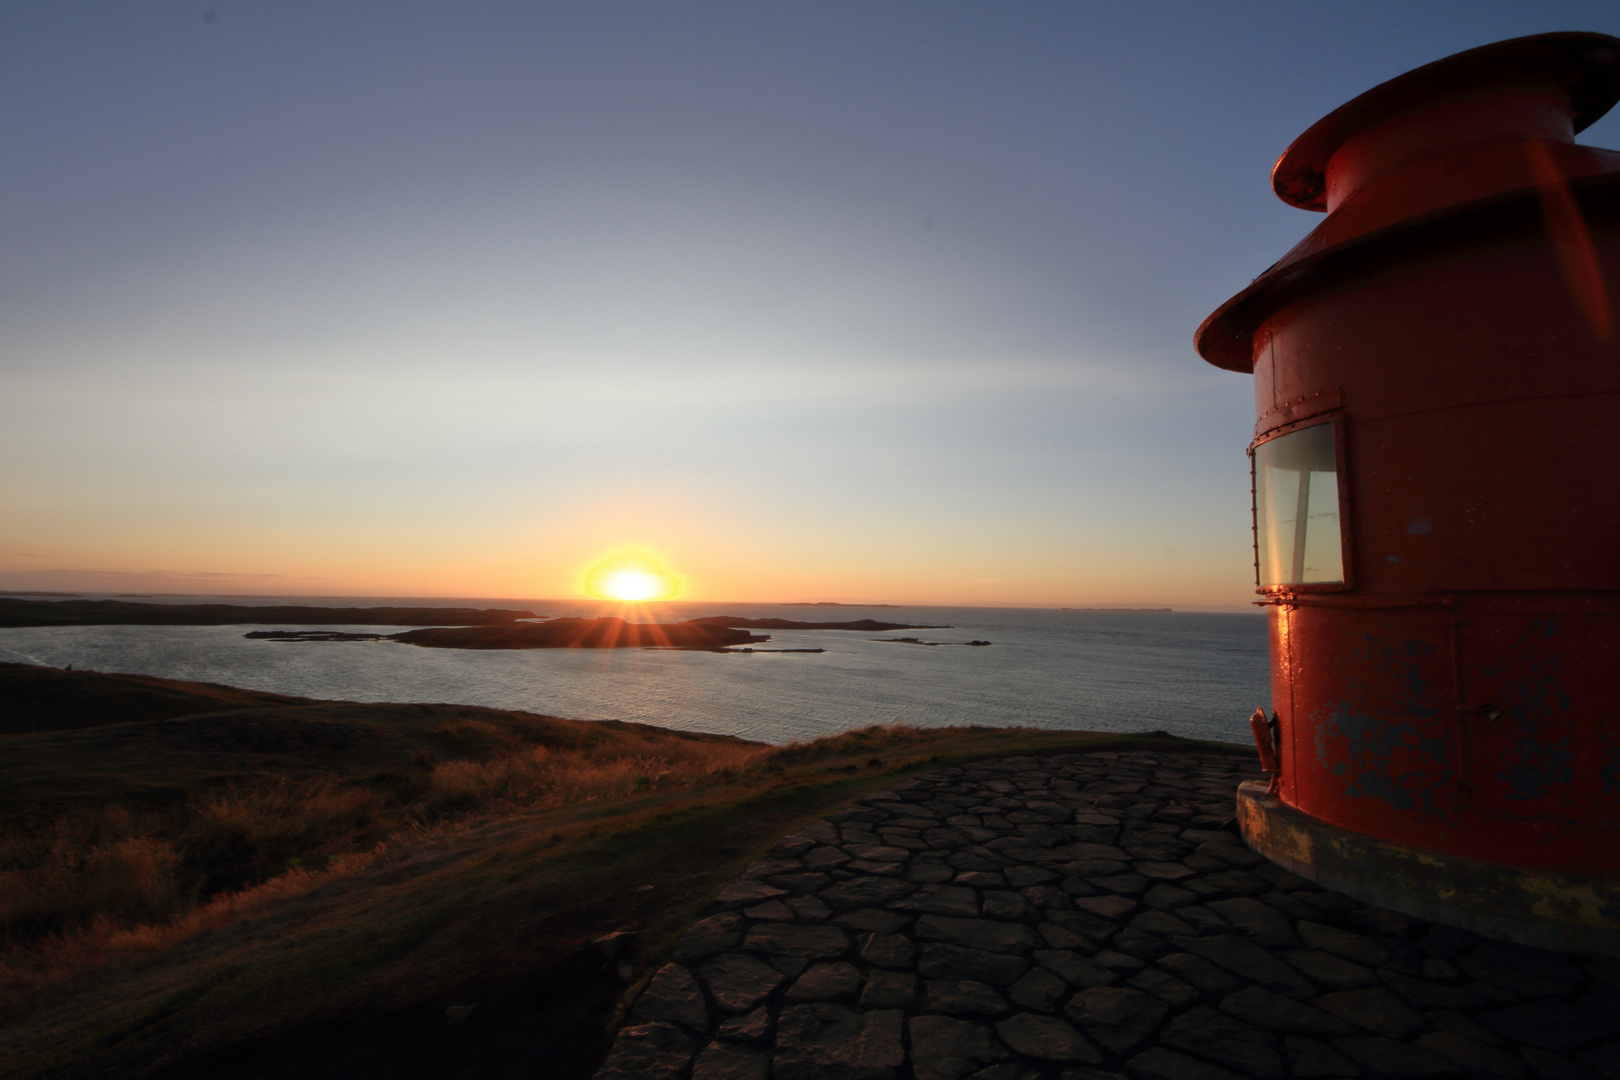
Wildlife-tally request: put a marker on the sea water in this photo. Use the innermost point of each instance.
(1198, 675)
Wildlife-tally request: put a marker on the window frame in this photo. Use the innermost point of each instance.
(1341, 462)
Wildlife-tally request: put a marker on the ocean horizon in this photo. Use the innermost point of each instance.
(1196, 674)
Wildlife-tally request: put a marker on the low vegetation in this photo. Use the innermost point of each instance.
(182, 894)
(140, 856)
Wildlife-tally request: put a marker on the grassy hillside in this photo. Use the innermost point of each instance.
(270, 887)
(39, 699)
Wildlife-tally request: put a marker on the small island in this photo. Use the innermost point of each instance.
(714, 633)
(606, 633)
(920, 641)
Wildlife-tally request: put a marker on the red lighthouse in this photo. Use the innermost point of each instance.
(1436, 469)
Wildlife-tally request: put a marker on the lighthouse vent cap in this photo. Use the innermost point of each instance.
(1580, 68)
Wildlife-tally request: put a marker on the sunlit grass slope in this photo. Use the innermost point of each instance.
(201, 881)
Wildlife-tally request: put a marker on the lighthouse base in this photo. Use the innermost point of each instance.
(1543, 908)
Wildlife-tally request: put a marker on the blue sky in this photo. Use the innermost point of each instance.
(849, 301)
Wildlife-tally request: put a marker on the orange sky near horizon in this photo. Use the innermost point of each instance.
(884, 303)
(709, 568)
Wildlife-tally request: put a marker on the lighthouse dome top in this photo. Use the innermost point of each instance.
(1546, 86)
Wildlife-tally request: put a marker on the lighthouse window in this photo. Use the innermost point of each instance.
(1296, 509)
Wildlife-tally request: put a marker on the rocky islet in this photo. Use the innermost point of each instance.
(1086, 916)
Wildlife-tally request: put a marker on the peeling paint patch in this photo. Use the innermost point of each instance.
(1536, 706)
(1382, 759)
(1382, 737)
(1537, 769)
(1611, 773)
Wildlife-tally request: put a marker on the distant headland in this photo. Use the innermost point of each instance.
(869, 625)
(833, 603)
(17, 613)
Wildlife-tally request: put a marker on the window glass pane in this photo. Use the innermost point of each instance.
(1296, 492)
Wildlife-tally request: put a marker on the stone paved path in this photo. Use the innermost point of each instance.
(1079, 917)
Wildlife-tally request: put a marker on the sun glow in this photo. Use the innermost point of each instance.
(632, 585)
(631, 578)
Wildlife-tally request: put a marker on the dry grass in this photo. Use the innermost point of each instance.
(107, 883)
(103, 939)
(544, 777)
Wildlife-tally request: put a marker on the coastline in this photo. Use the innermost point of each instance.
(1198, 676)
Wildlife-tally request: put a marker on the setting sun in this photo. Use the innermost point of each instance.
(631, 578)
